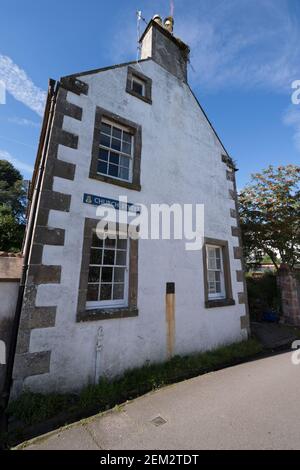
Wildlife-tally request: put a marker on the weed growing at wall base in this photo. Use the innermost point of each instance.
(33, 408)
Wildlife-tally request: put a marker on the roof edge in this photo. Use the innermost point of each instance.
(103, 69)
(209, 122)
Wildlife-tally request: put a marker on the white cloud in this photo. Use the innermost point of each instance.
(22, 166)
(23, 122)
(20, 86)
(234, 43)
(244, 43)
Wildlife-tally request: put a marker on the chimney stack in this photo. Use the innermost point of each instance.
(159, 43)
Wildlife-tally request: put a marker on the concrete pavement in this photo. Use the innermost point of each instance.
(250, 406)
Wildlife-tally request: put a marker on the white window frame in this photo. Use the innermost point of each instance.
(140, 82)
(222, 294)
(120, 153)
(120, 303)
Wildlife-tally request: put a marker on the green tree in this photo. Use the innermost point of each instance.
(12, 207)
(270, 216)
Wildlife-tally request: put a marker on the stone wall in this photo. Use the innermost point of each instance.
(289, 284)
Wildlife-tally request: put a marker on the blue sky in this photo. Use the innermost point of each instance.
(245, 56)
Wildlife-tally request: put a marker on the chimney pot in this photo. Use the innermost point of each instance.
(158, 19)
(169, 24)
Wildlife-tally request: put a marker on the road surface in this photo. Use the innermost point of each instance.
(251, 406)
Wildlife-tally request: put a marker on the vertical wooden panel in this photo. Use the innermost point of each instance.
(170, 319)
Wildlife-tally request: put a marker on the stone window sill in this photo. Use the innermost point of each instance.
(107, 314)
(219, 303)
(141, 97)
(108, 179)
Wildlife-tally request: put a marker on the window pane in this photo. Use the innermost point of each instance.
(106, 128)
(107, 271)
(126, 148)
(105, 292)
(218, 276)
(92, 293)
(122, 244)
(94, 274)
(96, 241)
(117, 133)
(211, 287)
(106, 275)
(109, 257)
(119, 274)
(103, 154)
(127, 137)
(102, 167)
(105, 140)
(114, 158)
(124, 161)
(137, 87)
(96, 256)
(118, 291)
(211, 263)
(110, 242)
(113, 170)
(211, 276)
(116, 144)
(121, 258)
(124, 173)
(218, 287)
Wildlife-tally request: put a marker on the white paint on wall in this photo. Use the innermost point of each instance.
(181, 163)
(8, 299)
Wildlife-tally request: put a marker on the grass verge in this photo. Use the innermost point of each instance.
(32, 408)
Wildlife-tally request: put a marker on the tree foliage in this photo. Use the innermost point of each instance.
(270, 216)
(12, 207)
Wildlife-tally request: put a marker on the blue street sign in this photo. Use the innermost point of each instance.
(100, 201)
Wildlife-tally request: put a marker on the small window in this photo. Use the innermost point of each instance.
(215, 272)
(139, 85)
(108, 272)
(217, 277)
(115, 151)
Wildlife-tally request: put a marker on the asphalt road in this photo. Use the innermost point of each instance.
(250, 406)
